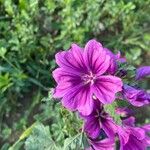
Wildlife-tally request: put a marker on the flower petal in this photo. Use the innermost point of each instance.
(113, 61)
(124, 134)
(92, 127)
(66, 81)
(109, 127)
(146, 127)
(71, 60)
(106, 87)
(136, 97)
(142, 72)
(129, 121)
(139, 133)
(62, 75)
(106, 144)
(95, 57)
(79, 98)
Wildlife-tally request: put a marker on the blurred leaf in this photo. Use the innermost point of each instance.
(2, 52)
(40, 139)
(9, 7)
(5, 82)
(27, 132)
(110, 109)
(74, 143)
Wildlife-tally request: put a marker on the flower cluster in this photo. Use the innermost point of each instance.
(91, 77)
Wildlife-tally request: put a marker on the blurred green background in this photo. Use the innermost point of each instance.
(32, 31)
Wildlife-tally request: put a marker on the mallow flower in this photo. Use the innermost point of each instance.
(133, 138)
(81, 76)
(114, 60)
(136, 97)
(99, 121)
(142, 72)
(123, 111)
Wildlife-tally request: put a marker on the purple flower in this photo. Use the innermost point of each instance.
(82, 76)
(136, 97)
(130, 121)
(123, 111)
(142, 72)
(132, 137)
(114, 59)
(106, 144)
(99, 121)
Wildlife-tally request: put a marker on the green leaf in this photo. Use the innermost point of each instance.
(24, 135)
(2, 52)
(40, 139)
(5, 82)
(110, 108)
(50, 96)
(9, 7)
(27, 132)
(78, 142)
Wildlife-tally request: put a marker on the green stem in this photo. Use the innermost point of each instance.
(10, 63)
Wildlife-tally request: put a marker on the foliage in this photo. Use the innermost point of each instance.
(110, 108)
(63, 130)
(40, 139)
(31, 31)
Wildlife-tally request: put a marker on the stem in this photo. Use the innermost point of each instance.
(10, 63)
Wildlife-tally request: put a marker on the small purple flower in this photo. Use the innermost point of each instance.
(114, 59)
(82, 76)
(136, 97)
(142, 72)
(97, 121)
(133, 138)
(130, 121)
(105, 144)
(123, 111)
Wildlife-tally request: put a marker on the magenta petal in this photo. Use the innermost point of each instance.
(92, 127)
(104, 66)
(70, 100)
(139, 133)
(135, 96)
(71, 60)
(62, 75)
(61, 90)
(86, 106)
(77, 53)
(137, 138)
(136, 144)
(129, 121)
(142, 72)
(146, 127)
(66, 81)
(106, 144)
(79, 98)
(95, 57)
(109, 127)
(106, 87)
(123, 135)
(113, 61)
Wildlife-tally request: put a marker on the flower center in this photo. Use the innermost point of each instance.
(89, 78)
(100, 114)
